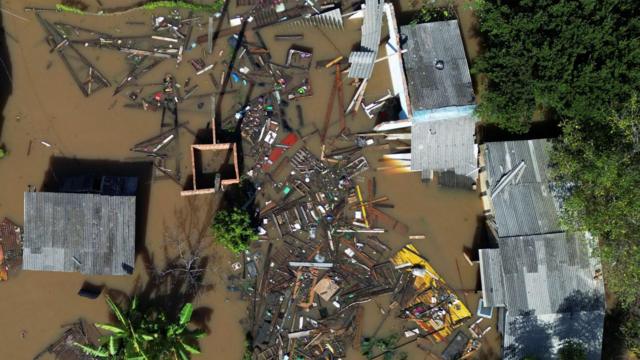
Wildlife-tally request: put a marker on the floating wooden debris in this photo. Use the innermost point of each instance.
(10, 249)
(436, 308)
(86, 76)
(289, 37)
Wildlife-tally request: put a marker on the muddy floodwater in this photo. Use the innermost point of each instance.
(46, 106)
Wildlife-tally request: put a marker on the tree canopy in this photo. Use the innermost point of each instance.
(576, 62)
(600, 162)
(564, 58)
(232, 229)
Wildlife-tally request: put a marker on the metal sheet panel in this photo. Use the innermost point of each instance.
(430, 87)
(444, 145)
(361, 64)
(92, 234)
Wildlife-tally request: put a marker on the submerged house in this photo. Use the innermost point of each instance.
(545, 283)
(436, 95)
(90, 228)
(213, 166)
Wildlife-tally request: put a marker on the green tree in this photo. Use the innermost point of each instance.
(232, 229)
(572, 350)
(563, 58)
(146, 335)
(600, 162)
(631, 330)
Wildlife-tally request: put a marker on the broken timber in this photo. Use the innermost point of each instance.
(93, 79)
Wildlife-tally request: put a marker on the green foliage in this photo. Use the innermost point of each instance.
(601, 163)
(3, 152)
(153, 5)
(572, 350)
(233, 230)
(562, 58)
(429, 13)
(631, 330)
(69, 9)
(247, 354)
(386, 346)
(146, 335)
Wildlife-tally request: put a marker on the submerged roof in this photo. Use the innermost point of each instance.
(88, 233)
(363, 60)
(523, 203)
(443, 145)
(547, 284)
(431, 46)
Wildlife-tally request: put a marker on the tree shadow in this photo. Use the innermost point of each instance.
(582, 319)
(530, 336)
(613, 343)
(178, 275)
(6, 81)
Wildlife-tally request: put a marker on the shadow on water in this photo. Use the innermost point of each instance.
(61, 168)
(6, 86)
(538, 130)
(177, 274)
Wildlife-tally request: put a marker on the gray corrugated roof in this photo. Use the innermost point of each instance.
(550, 293)
(442, 145)
(429, 87)
(362, 65)
(526, 205)
(541, 271)
(98, 231)
(491, 276)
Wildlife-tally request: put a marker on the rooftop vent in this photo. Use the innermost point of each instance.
(439, 64)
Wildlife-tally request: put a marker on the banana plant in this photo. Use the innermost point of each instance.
(146, 335)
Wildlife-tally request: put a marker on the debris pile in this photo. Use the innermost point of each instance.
(324, 257)
(10, 249)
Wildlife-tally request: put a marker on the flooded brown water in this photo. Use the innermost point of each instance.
(46, 106)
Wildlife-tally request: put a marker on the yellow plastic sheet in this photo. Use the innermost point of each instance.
(427, 287)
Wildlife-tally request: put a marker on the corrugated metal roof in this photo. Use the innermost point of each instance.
(491, 276)
(443, 145)
(541, 271)
(362, 65)
(526, 205)
(429, 87)
(549, 292)
(92, 234)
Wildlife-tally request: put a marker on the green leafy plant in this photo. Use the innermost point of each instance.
(146, 335)
(153, 5)
(386, 347)
(630, 330)
(429, 13)
(232, 229)
(69, 9)
(3, 152)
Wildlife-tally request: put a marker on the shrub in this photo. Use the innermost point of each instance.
(232, 229)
